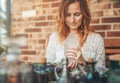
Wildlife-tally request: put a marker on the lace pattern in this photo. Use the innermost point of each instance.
(93, 47)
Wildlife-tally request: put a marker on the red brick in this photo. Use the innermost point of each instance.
(51, 29)
(46, 5)
(99, 7)
(24, 47)
(43, 53)
(37, 18)
(55, 4)
(113, 34)
(43, 23)
(47, 35)
(111, 20)
(33, 30)
(33, 46)
(24, 58)
(95, 20)
(116, 12)
(101, 27)
(115, 42)
(38, 47)
(99, 1)
(23, 25)
(116, 5)
(108, 12)
(55, 11)
(22, 19)
(116, 27)
(30, 1)
(34, 6)
(102, 34)
(48, 0)
(41, 47)
(44, 47)
(41, 41)
(97, 13)
(37, 6)
(38, 35)
(51, 17)
(24, 35)
(29, 52)
(50, 12)
(91, 1)
(17, 30)
(32, 41)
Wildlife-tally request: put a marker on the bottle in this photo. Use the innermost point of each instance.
(40, 71)
(3, 75)
(92, 75)
(114, 76)
(51, 75)
(65, 77)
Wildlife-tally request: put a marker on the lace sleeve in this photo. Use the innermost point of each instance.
(50, 52)
(100, 56)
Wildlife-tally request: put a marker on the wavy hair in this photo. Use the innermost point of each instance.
(63, 30)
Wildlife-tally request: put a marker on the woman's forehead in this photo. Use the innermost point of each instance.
(74, 7)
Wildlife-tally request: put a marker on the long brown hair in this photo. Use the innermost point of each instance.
(63, 30)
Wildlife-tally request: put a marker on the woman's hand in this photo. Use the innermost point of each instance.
(73, 64)
(74, 57)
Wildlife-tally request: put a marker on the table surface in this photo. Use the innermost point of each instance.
(115, 57)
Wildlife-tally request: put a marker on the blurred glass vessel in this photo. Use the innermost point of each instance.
(65, 76)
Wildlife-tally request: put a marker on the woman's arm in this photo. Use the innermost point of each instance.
(100, 56)
(50, 52)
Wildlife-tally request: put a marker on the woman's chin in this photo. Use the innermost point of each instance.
(73, 27)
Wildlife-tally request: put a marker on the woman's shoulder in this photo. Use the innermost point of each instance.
(95, 35)
(53, 35)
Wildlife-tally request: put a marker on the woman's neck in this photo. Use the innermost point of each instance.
(74, 31)
(77, 33)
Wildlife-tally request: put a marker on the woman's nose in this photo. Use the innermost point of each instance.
(72, 18)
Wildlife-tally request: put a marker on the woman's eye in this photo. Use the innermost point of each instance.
(77, 14)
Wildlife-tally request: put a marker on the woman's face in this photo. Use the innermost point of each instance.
(73, 16)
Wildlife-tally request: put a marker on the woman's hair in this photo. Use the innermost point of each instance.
(63, 30)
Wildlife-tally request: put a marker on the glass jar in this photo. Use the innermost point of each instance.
(40, 73)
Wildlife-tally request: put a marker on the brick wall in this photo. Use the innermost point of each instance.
(37, 27)
(106, 17)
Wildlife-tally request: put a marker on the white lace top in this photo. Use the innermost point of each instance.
(93, 47)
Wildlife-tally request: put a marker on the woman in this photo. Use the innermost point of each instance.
(74, 17)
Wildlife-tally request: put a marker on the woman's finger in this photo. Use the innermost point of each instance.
(69, 54)
(73, 64)
(69, 65)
